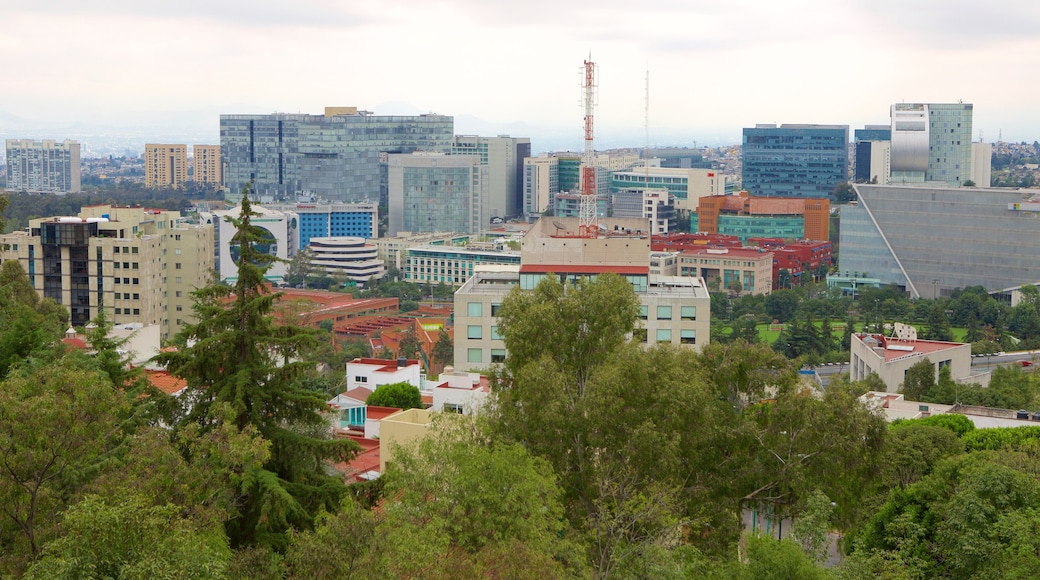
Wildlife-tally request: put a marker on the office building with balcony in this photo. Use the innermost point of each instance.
(795, 160)
(141, 265)
(339, 156)
(43, 166)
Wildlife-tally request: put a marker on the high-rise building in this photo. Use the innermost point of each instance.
(932, 142)
(43, 166)
(165, 165)
(656, 205)
(206, 159)
(141, 265)
(873, 154)
(795, 160)
(930, 239)
(541, 183)
(430, 192)
(338, 156)
(504, 156)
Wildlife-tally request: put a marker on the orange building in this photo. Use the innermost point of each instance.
(744, 215)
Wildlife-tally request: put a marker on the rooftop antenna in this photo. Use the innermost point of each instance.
(646, 129)
(588, 223)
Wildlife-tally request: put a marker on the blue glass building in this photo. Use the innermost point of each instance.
(795, 160)
(336, 220)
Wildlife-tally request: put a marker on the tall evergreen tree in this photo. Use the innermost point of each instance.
(237, 355)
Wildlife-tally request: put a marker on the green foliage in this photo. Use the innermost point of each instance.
(131, 539)
(914, 448)
(957, 423)
(781, 305)
(770, 559)
(812, 527)
(443, 350)
(919, 380)
(400, 395)
(1004, 438)
(55, 424)
(240, 358)
(29, 327)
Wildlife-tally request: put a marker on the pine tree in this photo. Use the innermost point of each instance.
(237, 355)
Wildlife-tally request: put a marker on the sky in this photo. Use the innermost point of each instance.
(514, 67)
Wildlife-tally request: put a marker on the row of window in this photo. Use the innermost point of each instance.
(665, 312)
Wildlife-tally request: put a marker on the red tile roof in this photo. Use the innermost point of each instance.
(166, 382)
(379, 413)
(366, 460)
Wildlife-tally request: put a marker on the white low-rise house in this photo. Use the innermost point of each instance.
(370, 373)
(891, 357)
(460, 392)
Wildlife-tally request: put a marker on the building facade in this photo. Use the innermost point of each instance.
(279, 240)
(323, 220)
(393, 250)
(43, 166)
(747, 216)
(795, 160)
(932, 142)
(141, 265)
(451, 265)
(738, 270)
(207, 167)
(165, 164)
(890, 358)
(337, 156)
(541, 182)
(348, 257)
(655, 205)
(929, 240)
(504, 157)
(673, 309)
(687, 186)
(430, 192)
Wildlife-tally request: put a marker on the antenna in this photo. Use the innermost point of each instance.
(588, 223)
(646, 129)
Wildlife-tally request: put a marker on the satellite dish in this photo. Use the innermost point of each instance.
(558, 225)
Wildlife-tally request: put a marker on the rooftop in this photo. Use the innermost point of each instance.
(895, 348)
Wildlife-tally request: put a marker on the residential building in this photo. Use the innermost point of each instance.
(451, 265)
(141, 265)
(749, 269)
(795, 160)
(460, 392)
(371, 373)
(890, 358)
(331, 220)
(400, 429)
(929, 240)
(165, 164)
(748, 216)
(207, 166)
(43, 166)
(685, 185)
(430, 192)
(655, 205)
(674, 309)
(337, 156)
(504, 157)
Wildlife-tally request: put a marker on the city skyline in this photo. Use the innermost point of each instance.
(714, 69)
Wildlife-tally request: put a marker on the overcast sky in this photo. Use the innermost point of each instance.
(715, 67)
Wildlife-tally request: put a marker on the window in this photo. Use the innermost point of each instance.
(474, 331)
(642, 312)
(115, 265)
(177, 251)
(137, 311)
(180, 308)
(135, 264)
(664, 312)
(498, 355)
(494, 333)
(495, 308)
(639, 335)
(115, 249)
(137, 296)
(664, 335)
(474, 355)
(177, 266)
(360, 379)
(178, 293)
(119, 310)
(136, 280)
(452, 408)
(474, 309)
(126, 265)
(688, 312)
(688, 336)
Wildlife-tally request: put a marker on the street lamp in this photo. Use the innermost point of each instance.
(935, 288)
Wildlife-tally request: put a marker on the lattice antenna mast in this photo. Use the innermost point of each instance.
(588, 223)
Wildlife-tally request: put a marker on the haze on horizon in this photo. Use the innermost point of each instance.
(508, 67)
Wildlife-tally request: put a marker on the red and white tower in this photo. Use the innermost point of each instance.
(588, 223)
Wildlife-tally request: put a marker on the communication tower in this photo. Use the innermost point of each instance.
(588, 223)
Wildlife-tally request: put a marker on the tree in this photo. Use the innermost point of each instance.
(55, 421)
(301, 271)
(781, 305)
(968, 183)
(29, 326)
(938, 325)
(843, 193)
(400, 395)
(443, 350)
(919, 381)
(129, 538)
(241, 358)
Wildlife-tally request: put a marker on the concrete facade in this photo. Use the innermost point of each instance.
(206, 163)
(504, 157)
(43, 166)
(891, 358)
(165, 164)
